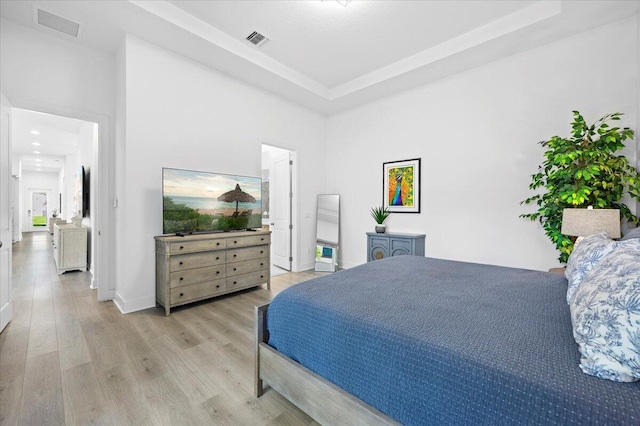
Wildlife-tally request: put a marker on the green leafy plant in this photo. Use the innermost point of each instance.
(380, 214)
(583, 170)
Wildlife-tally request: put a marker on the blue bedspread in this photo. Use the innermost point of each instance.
(430, 341)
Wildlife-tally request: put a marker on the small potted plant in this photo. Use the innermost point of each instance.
(380, 214)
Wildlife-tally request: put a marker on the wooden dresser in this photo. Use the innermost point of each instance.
(197, 267)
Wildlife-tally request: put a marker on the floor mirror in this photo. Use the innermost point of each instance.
(327, 232)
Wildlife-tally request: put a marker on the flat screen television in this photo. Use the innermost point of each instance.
(194, 201)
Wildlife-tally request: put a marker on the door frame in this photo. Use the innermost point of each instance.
(49, 193)
(103, 270)
(6, 245)
(294, 236)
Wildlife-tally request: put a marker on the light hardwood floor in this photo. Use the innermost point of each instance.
(67, 359)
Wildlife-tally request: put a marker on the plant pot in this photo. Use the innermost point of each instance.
(381, 228)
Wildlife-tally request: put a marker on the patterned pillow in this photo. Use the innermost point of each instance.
(634, 233)
(584, 256)
(605, 312)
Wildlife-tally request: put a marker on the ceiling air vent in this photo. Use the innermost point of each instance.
(258, 39)
(56, 23)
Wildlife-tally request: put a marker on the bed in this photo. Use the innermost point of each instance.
(415, 340)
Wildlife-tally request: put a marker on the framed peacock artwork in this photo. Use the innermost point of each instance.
(401, 186)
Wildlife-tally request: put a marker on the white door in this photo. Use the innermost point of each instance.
(5, 213)
(281, 204)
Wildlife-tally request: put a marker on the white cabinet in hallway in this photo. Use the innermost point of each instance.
(69, 247)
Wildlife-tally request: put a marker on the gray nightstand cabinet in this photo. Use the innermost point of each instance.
(384, 245)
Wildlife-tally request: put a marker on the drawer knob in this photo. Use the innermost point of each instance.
(261, 276)
(234, 255)
(234, 269)
(180, 263)
(217, 258)
(217, 272)
(261, 251)
(217, 244)
(261, 239)
(181, 247)
(181, 278)
(235, 282)
(218, 286)
(181, 294)
(235, 242)
(261, 264)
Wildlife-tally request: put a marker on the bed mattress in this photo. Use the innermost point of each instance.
(430, 341)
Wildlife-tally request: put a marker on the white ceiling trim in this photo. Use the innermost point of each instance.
(519, 20)
(195, 26)
(531, 15)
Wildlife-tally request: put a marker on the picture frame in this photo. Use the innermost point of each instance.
(401, 186)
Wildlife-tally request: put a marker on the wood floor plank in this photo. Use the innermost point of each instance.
(42, 401)
(72, 346)
(68, 359)
(10, 396)
(84, 402)
(120, 388)
(13, 347)
(42, 337)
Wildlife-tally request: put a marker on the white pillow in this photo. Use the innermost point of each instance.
(584, 257)
(605, 312)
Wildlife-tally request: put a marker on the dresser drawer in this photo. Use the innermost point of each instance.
(247, 280)
(195, 260)
(247, 241)
(248, 253)
(239, 268)
(196, 291)
(198, 245)
(193, 276)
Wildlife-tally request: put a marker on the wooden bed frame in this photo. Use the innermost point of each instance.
(325, 402)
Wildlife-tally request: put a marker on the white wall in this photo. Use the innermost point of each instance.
(183, 115)
(477, 135)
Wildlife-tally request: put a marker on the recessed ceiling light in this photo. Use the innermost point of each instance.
(35, 143)
(35, 132)
(57, 161)
(37, 159)
(36, 152)
(39, 170)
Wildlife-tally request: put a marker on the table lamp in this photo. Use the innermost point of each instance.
(582, 222)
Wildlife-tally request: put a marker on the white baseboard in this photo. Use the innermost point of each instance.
(128, 306)
(6, 312)
(306, 266)
(94, 283)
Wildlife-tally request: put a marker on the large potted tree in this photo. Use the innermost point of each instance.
(584, 169)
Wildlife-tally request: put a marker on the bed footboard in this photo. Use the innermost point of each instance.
(325, 402)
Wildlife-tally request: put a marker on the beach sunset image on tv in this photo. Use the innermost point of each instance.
(199, 201)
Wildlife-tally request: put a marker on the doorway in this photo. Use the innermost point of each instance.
(74, 138)
(37, 210)
(277, 176)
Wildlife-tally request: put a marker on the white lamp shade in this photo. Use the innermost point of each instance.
(583, 222)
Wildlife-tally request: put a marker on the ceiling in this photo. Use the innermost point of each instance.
(325, 56)
(45, 151)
